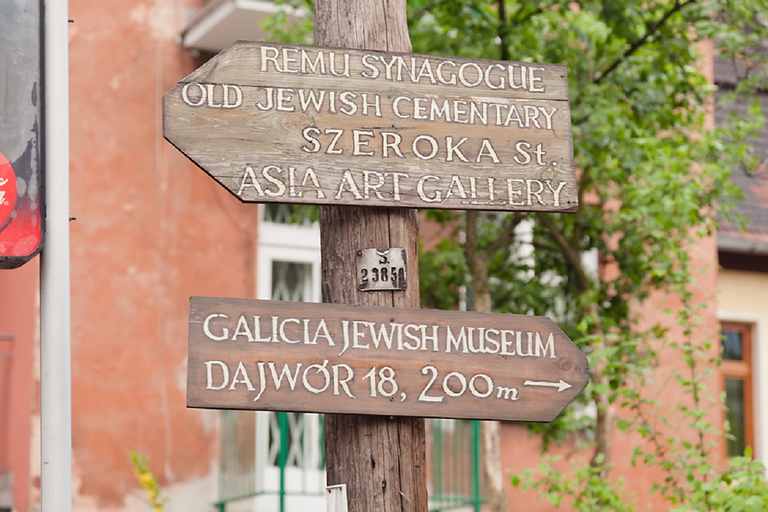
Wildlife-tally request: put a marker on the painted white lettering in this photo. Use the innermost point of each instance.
(431, 141)
(373, 70)
(207, 328)
(348, 185)
(542, 348)
(452, 149)
(441, 76)
(391, 140)
(534, 193)
(486, 149)
(244, 379)
(368, 186)
(209, 375)
(266, 59)
(358, 143)
(459, 343)
(376, 104)
(307, 134)
(396, 107)
(289, 60)
(242, 329)
(277, 380)
(347, 98)
(279, 185)
(436, 197)
(463, 75)
(284, 336)
(310, 176)
(512, 193)
(534, 78)
(312, 66)
(331, 150)
(342, 382)
(249, 180)
(189, 100)
(320, 369)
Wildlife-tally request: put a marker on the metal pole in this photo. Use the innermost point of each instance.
(55, 350)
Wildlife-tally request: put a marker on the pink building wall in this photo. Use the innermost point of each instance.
(151, 231)
(18, 320)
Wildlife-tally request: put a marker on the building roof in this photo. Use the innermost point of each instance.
(754, 185)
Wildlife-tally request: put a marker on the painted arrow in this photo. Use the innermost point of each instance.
(561, 386)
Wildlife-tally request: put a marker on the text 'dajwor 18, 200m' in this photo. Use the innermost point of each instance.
(269, 355)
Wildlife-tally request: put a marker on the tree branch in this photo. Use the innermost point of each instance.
(474, 261)
(502, 31)
(511, 223)
(569, 252)
(650, 31)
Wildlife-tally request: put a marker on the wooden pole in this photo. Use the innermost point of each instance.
(381, 459)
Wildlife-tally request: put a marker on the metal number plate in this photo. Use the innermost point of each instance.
(377, 270)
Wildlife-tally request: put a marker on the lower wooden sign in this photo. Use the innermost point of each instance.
(293, 356)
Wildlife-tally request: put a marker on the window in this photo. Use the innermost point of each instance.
(736, 371)
(277, 459)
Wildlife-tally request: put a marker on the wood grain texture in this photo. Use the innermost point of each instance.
(272, 126)
(381, 459)
(286, 356)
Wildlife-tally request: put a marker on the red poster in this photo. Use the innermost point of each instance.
(22, 205)
(20, 225)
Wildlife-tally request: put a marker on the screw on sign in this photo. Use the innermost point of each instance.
(8, 192)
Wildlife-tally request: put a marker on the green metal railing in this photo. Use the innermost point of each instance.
(241, 472)
(454, 465)
(453, 451)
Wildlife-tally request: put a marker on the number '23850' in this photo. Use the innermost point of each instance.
(384, 274)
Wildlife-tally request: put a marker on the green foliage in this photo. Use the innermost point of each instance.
(446, 262)
(650, 173)
(653, 178)
(292, 23)
(741, 487)
(148, 482)
(581, 488)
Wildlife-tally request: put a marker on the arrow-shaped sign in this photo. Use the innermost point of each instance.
(289, 356)
(305, 124)
(561, 386)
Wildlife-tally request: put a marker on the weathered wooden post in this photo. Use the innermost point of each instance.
(381, 459)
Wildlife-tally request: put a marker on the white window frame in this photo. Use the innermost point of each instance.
(295, 243)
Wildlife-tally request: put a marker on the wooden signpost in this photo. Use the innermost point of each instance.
(287, 356)
(369, 131)
(304, 124)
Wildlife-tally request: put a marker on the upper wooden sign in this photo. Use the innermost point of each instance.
(293, 356)
(304, 124)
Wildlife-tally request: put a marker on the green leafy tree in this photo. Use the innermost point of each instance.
(653, 176)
